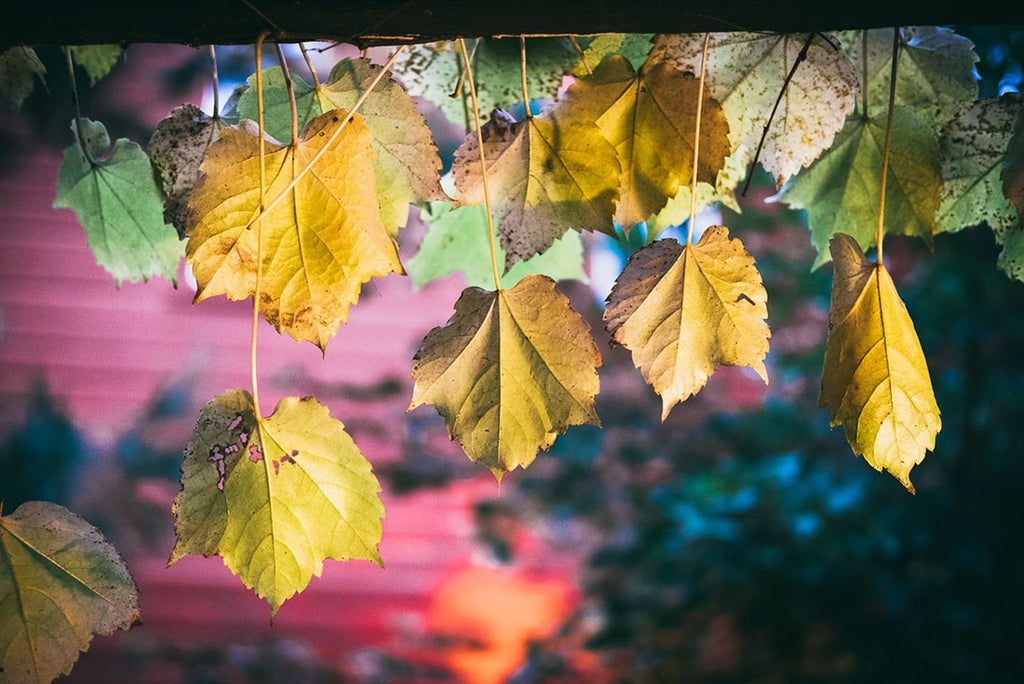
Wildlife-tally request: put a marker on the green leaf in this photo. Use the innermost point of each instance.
(19, 69)
(935, 76)
(61, 582)
(510, 371)
(277, 110)
(97, 60)
(633, 46)
(456, 240)
(546, 175)
(840, 190)
(276, 498)
(1011, 261)
(120, 206)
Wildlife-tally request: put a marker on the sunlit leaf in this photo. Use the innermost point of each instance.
(677, 210)
(683, 311)
(275, 499)
(876, 382)
(19, 69)
(61, 582)
(509, 372)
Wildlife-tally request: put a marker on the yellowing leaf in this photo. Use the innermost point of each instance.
(747, 71)
(875, 382)
(683, 311)
(321, 242)
(509, 372)
(840, 189)
(61, 582)
(545, 177)
(650, 117)
(97, 60)
(275, 500)
(118, 203)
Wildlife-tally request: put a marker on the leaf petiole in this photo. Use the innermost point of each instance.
(257, 224)
(79, 133)
(696, 141)
(888, 144)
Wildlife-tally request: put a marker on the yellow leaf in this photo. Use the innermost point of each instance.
(322, 240)
(875, 382)
(509, 372)
(650, 117)
(683, 311)
(545, 176)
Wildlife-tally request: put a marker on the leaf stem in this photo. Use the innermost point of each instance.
(888, 144)
(78, 109)
(483, 167)
(216, 82)
(309, 65)
(778, 100)
(522, 73)
(696, 141)
(258, 224)
(583, 55)
(291, 92)
(334, 136)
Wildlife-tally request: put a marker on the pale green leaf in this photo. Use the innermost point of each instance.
(510, 371)
(19, 69)
(633, 46)
(875, 382)
(61, 582)
(97, 60)
(274, 499)
(120, 206)
(277, 109)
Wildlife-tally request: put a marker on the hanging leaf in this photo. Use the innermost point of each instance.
(509, 372)
(747, 71)
(546, 176)
(456, 240)
(973, 148)
(61, 582)
(1012, 237)
(633, 46)
(875, 382)
(19, 69)
(277, 108)
(176, 149)
(935, 78)
(840, 189)
(97, 60)
(434, 71)
(277, 498)
(683, 311)
(118, 203)
(321, 242)
(649, 116)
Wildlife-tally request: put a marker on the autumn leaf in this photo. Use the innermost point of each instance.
(321, 242)
(935, 75)
(875, 382)
(457, 240)
(61, 582)
(509, 372)
(118, 203)
(840, 189)
(677, 209)
(97, 60)
(277, 498)
(683, 311)
(546, 175)
(19, 69)
(176, 149)
(633, 46)
(747, 71)
(650, 118)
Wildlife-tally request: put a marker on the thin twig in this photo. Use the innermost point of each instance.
(216, 82)
(522, 73)
(696, 141)
(309, 64)
(583, 55)
(291, 92)
(888, 142)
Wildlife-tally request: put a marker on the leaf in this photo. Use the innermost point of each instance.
(432, 71)
(747, 71)
(97, 60)
(683, 311)
(456, 240)
(118, 203)
(176, 149)
(840, 189)
(650, 117)
(546, 175)
(509, 372)
(61, 582)
(320, 243)
(1011, 261)
(19, 69)
(677, 210)
(633, 46)
(935, 76)
(275, 499)
(277, 109)
(973, 149)
(875, 382)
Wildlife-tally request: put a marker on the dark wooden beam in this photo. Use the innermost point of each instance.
(364, 23)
